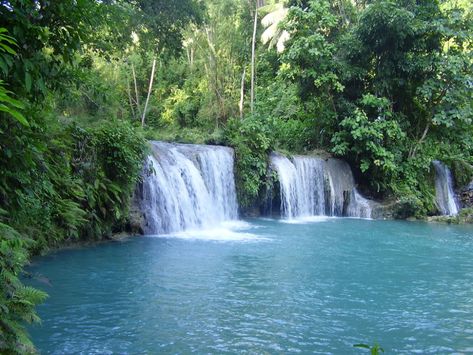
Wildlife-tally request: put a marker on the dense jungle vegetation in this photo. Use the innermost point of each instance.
(385, 84)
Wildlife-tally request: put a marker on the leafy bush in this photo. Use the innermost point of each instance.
(463, 172)
(293, 126)
(17, 302)
(252, 138)
(371, 137)
(120, 151)
(108, 161)
(180, 108)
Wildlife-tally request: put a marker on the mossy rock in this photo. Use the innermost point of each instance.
(407, 206)
(462, 172)
(464, 216)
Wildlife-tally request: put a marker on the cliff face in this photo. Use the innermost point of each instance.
(463, 174)
(465, 195)
(136, 218)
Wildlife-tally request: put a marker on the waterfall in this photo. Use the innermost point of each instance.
(187, 186)
(444, 189)
(302, 185)
(311, 186)
(358, 205)
(341, 182)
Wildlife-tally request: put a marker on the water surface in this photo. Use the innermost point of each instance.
(316, 286)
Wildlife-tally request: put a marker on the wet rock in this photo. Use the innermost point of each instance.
(465, 195)
(136, 218)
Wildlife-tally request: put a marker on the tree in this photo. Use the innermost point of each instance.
(253, 55)
(160, 22)
(273, 33)
(62, 27)
(17, 302)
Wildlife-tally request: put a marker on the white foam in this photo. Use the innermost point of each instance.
(363, 218)
(229, 231)
(307, 219)
(237, 225)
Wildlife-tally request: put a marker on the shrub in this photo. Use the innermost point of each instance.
(252, 138)
(17, 302)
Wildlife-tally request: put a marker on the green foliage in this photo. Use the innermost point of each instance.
(163, 22)
(69, 152)
(107, 162)
(92, 89)
(392, 89)
(374, 350)
(252, 139)
(7, 104)
(371, 136)
(309, 54)
(463, 173)
(387, 85)
(292, 127)
(448, 95)
(308, 58)
(48, 35)
(11, 106)
(120, 148)
(17, 302)
(186, 135)
(180, 108)
(464, 216)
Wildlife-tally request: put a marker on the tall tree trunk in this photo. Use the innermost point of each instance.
(214, 73)
(136, 89)
(149, 93)
(242, 93)
(413, 152)
(130, 98)
(253, 47)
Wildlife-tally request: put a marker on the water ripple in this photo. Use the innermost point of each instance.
(269, 288)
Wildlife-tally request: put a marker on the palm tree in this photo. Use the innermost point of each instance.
(273, 34)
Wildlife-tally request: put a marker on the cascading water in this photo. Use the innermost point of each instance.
(358, 206)
(311, 186)
(341, 182)
(302, 185)
(444, 189)
(187, 186)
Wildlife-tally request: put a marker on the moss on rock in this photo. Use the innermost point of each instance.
(463, 173)
(464, 216)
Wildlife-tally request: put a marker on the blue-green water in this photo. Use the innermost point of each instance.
(271, 287)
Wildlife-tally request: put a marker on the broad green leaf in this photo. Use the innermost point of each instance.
(6, 48)
(17, 115)
(3, 66)
(28, 81)
(364, 346)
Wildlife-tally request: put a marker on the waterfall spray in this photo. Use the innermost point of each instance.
(187, 186)
(444, 189)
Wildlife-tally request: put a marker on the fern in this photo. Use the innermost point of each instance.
(17, 302)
